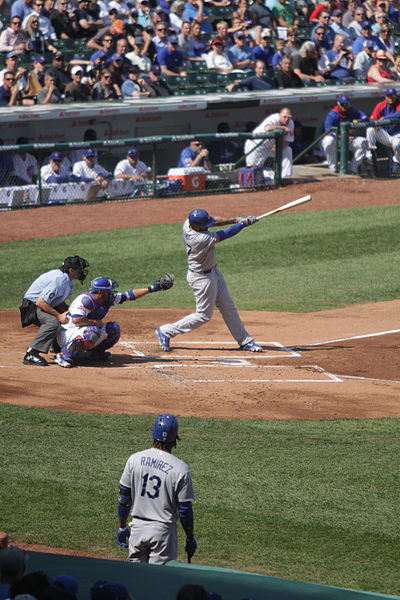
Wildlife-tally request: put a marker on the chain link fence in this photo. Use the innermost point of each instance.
(76, 172)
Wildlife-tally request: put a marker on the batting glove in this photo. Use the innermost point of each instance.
(249, 221)
(191, 546)
(122, 536)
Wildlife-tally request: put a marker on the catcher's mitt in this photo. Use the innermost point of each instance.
(165, 282)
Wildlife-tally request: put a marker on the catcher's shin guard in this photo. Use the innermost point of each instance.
(113, 334)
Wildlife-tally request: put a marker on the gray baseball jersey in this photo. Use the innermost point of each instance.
(158, 481)
(209, 287)
(200, 248)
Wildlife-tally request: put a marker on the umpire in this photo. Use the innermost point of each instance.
(44, 305)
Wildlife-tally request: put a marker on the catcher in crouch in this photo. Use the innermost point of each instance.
(85, 333)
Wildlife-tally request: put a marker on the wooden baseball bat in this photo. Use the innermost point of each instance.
(286, 206)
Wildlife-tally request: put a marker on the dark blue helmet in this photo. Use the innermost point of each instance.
(199, 216)
(103, 283)
(165, 428)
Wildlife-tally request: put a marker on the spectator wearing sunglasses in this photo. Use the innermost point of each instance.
(106, 89)
(39, 43)
(10, 95)
(14, 37)
(45, 25)
(64, 21)
(59, 70)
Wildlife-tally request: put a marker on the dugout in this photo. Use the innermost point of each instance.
(151, 582)
(177, 115)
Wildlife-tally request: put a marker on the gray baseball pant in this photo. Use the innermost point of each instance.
(210, 291)
(47, 331)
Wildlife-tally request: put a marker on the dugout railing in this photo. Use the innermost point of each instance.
(159, 153)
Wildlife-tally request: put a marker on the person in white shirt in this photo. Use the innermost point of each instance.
(364, 60)
(25, 165)
(132, 169)
(143, 62)
(90, 171)
(217, 59)
(258, 150)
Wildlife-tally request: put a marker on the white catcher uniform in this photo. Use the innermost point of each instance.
(158, 481)
(209, 287)
(258, 150)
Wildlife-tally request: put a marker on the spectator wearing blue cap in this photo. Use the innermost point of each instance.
(364, 60)
(389, 135)
(138, 57)
(11, 62)
(116, 68)
(343, 112)
(170, 58)
(90, 171)
(133, 169)
(366, 34)
(157, 85)
(109, 590)
(135, 86)
(66, 583)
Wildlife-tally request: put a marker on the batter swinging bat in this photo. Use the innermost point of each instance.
(286, 206)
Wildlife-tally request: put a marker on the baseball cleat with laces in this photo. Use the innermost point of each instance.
(251, 347)
(163, 339)
(60, 360)
(32, 357)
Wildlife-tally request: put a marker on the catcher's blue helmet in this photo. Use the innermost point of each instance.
(165, 428)
(103, 283)
(199, 216)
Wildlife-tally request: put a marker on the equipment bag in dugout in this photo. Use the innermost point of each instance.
(249, 177)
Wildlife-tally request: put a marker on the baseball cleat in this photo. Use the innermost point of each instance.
(163, 339)
(34, 358)
(60, 360)
(251, 347)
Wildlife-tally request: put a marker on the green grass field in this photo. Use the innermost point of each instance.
(299, 262)
(309, 500)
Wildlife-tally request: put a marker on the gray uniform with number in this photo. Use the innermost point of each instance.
(209, 287)
(158, 481)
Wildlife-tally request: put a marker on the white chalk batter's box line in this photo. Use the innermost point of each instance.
(329, 377)
(284, 352)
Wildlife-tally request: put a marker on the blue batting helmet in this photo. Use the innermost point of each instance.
(199, 216)
(103, 283)
(165, 428)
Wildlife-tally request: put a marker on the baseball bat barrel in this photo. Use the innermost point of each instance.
(286, 206)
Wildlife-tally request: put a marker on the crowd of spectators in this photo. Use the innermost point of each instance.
(17, 584)
(57, 51)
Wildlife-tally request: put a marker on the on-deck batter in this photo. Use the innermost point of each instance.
(158, 486)
(206, 281)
